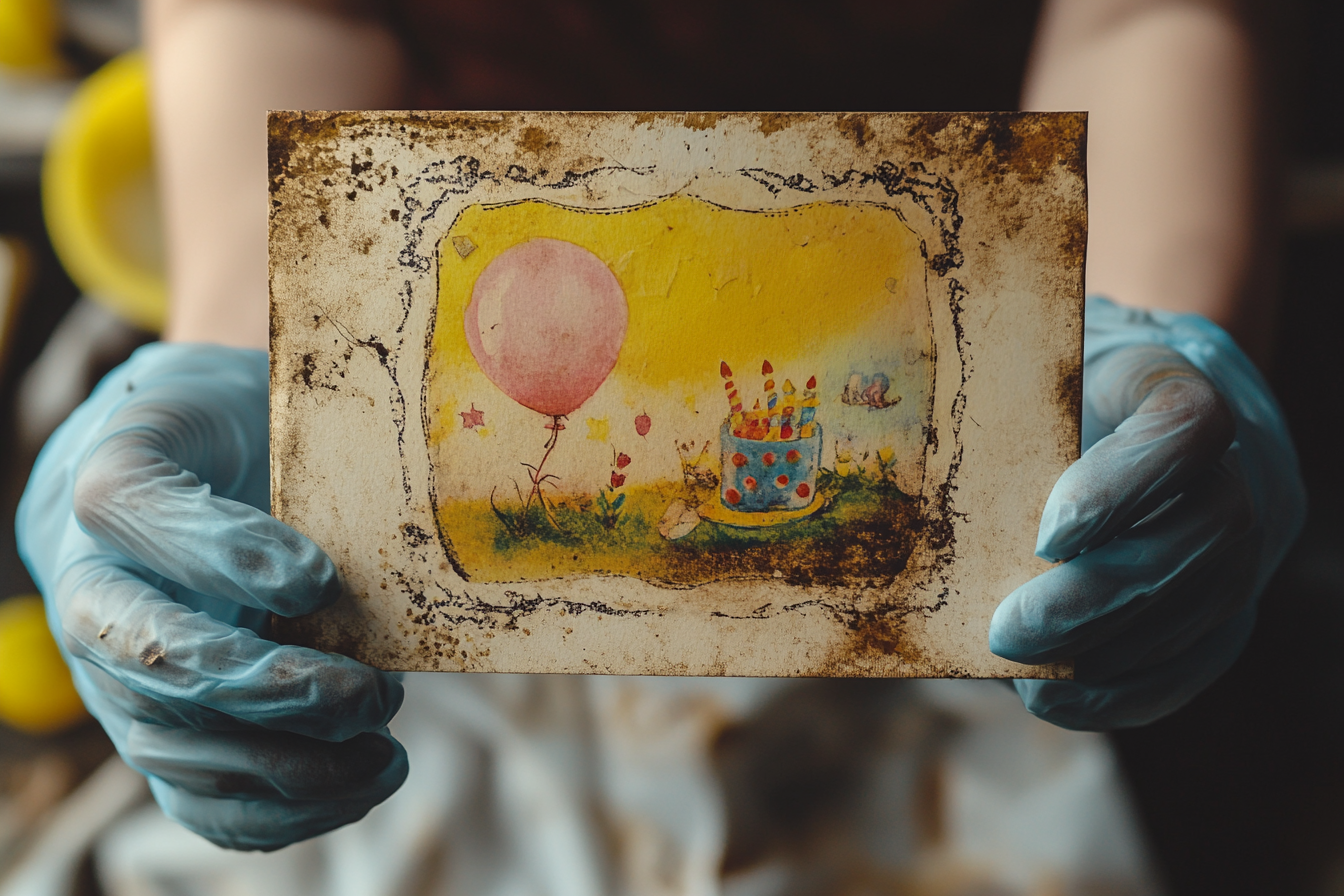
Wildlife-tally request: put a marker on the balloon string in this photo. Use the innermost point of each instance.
(538, 478)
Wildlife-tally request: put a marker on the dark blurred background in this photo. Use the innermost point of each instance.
(1240, 792)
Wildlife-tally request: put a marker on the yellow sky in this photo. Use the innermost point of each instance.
(706, 284)
(824, 289)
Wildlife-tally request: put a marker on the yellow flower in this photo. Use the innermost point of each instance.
(885, 455)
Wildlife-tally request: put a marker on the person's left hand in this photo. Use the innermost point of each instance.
(1185, 501)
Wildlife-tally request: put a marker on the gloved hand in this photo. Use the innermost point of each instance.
(145, 527)
(1184, 502)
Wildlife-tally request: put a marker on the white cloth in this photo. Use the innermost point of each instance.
(557, 785)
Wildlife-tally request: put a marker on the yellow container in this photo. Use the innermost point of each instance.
(99, 197)
(36, 694)
(28, 34)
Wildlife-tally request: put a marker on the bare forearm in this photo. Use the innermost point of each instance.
(218, 66)
(1170, 89)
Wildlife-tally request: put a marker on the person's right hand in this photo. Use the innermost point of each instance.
(145, 527)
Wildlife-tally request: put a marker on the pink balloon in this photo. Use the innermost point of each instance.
(546, 322)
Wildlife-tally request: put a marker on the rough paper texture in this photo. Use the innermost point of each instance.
(691, 394)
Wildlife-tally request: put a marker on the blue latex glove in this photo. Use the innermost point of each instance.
(1184, 502)
(144, 524)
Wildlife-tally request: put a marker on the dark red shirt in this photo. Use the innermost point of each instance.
(697, 54)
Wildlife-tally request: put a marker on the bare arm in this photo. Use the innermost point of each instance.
(1171, 150)
(1168, 82)
(218, 66)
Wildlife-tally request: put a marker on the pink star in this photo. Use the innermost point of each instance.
(472, 418)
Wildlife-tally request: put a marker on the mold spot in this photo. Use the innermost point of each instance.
(534, 140)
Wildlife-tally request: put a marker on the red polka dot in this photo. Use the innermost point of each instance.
(768, 459)
(749, 483)
(781, 480)
(739, 459)
(793, 456)
(802, 490)
(732, 496)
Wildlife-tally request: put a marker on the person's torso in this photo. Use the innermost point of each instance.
(899, 55)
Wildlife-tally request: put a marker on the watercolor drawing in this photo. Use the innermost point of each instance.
(680, 392)
(673, 393)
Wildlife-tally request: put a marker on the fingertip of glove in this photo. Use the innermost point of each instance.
(1005, 629)
(288, 574)
(1065, 520)
(1054, 545)
(1016, 630)
(398, 766)
(255, 825)
(366, 698)
(393, 693)
(1064, 704)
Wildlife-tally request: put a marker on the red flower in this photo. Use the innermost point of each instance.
(643, 423)
(732, 496)
(617, 479)
(803, 490)
(750, 483)
(768, 458)
(739, 459)
(793, 456)
(622, 461)
(781, 480)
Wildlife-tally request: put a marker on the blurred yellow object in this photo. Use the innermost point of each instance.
(36, 694)
(28, 33)
(99, 196)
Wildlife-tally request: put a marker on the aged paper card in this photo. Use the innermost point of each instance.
(692, 394)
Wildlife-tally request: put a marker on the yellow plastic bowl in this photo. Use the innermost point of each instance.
(36, 694)
(99, 196)
(28, 32)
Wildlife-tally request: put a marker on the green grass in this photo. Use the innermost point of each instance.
(864, 533)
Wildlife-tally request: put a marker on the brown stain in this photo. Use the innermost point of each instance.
(1030, 145)
(152, 653)
(855, 126)
(494, 123)
(771, 122)
(877, 645)
(696, 121)
(294, 140)
(535, 140)
(925, 138)
(327, 630)
(876, 634)
(1074, 244)
(1069, 399)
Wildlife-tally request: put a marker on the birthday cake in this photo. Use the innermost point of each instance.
(770, 453)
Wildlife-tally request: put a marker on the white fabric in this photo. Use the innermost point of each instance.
(556, 785)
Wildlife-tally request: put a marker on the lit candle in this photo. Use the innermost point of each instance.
(771, 400)
(734, 401)
(809, 408)
(754, 422)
